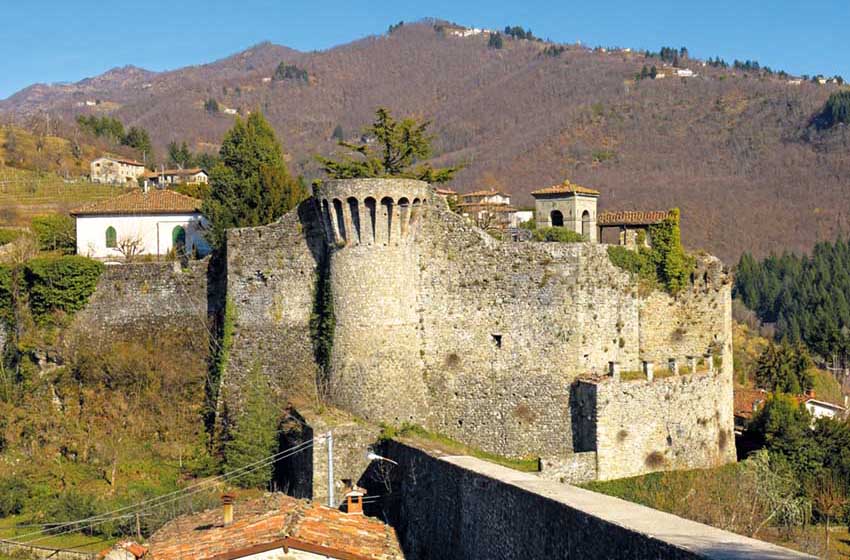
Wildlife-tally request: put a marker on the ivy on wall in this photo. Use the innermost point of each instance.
(665, 262)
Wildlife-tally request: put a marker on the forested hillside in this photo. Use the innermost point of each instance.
(805, 296)
(736, 149)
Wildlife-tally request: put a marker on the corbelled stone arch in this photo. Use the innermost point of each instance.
(371, 206)
(339, 222)
(415, 216)
(386, 221)
(403, 215)
(353, 220)
(327, 220)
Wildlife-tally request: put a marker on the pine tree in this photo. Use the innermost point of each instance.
(251, 185)
(255, 435)
(403, 143)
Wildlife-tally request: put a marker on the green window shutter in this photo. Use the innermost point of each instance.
(111, 238)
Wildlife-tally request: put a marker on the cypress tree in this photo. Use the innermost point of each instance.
(255, 435)
(251, 185)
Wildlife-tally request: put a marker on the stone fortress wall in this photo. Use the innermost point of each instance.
(439, 324)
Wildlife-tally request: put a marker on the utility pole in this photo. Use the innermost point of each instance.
(330, 441)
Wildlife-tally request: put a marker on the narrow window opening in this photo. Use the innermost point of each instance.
(497, 340)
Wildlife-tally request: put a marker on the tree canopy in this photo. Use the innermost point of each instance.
(251, 185)
(805, 296)
(401, 145)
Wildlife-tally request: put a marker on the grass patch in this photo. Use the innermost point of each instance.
(451, 446)
(11, 527)
(632, 375)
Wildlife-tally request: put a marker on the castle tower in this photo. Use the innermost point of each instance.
(370, 227)
(567, 205)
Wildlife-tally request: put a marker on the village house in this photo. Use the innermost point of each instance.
(489, 209)
(273, 527)
(114, 170)
(142, 222)
(822, 409)
(164, 177)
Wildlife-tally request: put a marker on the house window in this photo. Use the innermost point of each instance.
(178, 239)
(111, 238)
(585, 224)
(557, 218)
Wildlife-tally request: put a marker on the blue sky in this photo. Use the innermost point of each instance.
(52, 40)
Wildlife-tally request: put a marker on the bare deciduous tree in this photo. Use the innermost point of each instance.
(130, 247)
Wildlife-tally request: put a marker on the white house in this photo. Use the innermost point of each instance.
(193, 176)
(685, 73)
(822, 409)
(116, 170)
(142, 222)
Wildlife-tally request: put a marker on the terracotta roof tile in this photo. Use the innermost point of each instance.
(631, 217)
(267, 524)
(748, 401)
(565, 188)
(125, 161)
(140, 203)
(491, 192)
(178, 172)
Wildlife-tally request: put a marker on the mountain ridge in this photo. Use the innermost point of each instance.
(733, 149)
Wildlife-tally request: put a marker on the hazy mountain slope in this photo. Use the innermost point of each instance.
(734, 151)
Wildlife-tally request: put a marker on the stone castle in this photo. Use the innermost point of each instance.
(519, 349)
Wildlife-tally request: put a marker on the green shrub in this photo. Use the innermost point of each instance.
(557, 235)
(636, 262)
(60, 283)
(9, 235)
(666, 261)
(15, 493)
(55, 233)
(837, 109)
(7, 310)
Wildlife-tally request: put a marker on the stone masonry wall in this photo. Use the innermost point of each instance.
(440, 324)
(271, 280)
(147, 297)
(688, 430)
(463, 508)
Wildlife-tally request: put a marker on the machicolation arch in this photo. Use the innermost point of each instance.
(371, 212)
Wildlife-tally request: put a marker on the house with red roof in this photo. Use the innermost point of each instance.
(142, 222)
(274, 526)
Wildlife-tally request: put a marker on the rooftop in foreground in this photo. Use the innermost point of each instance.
(138, 202)
(270, 523)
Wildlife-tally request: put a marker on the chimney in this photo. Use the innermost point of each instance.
(227, 509)
(692, 364)
(353, 498)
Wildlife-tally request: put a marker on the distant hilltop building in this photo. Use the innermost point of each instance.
(489, 209)
(114, 170)
(541, 349)
(165, 177)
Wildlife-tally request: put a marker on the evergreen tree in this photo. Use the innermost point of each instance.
(403, 144)
(139, 139)
(495, 41)
(338, 134)
(251, 185)
(211, 106)
(255, 435)
(785, 367)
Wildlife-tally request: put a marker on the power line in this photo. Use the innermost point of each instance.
(193, 489)
(100, 520)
